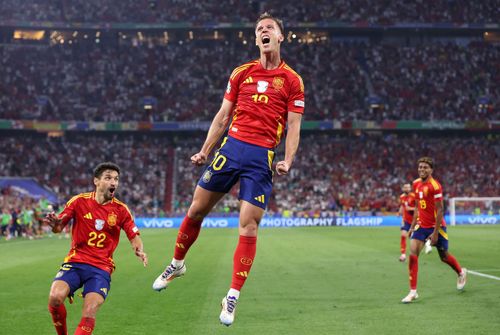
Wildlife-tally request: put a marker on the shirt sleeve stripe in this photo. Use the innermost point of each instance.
(439, 195)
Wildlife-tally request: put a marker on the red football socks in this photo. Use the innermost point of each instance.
(243, 259)
(453, 263)
(85, 327)
(413, 269)
(188, 233)
(59, 318)
(403, 245)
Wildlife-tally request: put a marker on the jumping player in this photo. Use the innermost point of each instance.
(428, 223)
(407, 201)
(98, 217)
(264, 97)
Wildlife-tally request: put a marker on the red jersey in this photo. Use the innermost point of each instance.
(262, 100)
(96, 230)
(427, 194)
(407, 200)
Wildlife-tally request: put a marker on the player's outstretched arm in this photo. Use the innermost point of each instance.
(56, 223)
(138, 247)
(215, 132)
(291, 144)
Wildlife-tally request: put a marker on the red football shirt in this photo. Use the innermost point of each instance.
(427, 194)
(262, 100)
(96, 230)
(407, 200)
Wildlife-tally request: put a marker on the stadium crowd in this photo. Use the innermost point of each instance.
(333, 173)
(158, 11)
(347, 173)
(65, 165)
(186, 82)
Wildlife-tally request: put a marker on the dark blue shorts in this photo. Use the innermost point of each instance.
(406, 226)
(91, 278)
(250, 164)
(422, 234)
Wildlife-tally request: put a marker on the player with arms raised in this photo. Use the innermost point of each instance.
(407, 202)
(428, 223)
(98, 217)
(263, 97)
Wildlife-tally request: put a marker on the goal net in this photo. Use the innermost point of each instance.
(474, 210)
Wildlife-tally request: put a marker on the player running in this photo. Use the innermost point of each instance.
(98, 217)
(407, 202)
(264, 97)
(431, 225)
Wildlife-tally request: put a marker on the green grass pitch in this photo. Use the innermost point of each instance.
(317, 280)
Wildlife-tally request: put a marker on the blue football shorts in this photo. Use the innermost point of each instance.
(250, 164)
(406, 226)
(422, 234)
(78, 275)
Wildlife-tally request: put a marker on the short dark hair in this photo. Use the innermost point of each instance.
(267, 15)
(100, 168)
(427, 160)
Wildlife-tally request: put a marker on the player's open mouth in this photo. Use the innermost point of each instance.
(112, 190)
(266, 39)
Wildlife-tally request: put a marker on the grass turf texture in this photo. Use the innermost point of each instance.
(318, 280)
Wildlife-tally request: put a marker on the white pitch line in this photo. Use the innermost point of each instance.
(482, 275)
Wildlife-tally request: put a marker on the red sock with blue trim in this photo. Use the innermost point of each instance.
(243, 260)
(59, 318)
(85, 327)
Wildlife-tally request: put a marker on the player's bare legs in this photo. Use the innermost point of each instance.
(91, 305)
(202, 204)
(449, 259)
(250, 216)
(58, 293)
(415, 249)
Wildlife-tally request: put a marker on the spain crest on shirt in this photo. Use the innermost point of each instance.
(99, 224)
(112, 219)
(278, 83)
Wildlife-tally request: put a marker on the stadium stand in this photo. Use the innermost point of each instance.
(110, 84)
(152, 11)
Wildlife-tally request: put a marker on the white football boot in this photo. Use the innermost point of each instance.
(402, 258)
(170, 273)
(462, 279)
(410, 297)
(228, 310)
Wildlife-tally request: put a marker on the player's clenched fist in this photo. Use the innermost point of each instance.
(199, 159)
(282, 168)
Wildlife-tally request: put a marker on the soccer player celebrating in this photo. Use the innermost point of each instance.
(98, 217)
(263, 97)
(407, 201)
(431, 225)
